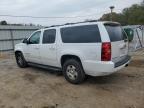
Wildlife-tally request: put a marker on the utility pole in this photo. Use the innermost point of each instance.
(111, 8)
(143, 3)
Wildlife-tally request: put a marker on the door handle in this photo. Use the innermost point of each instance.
(52, 48)
(122, 46)
(36, 48)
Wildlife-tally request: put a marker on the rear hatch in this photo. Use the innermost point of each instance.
(119, 43)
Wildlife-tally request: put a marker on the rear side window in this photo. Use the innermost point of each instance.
(115, 32)
(49, 36)
(81, 34)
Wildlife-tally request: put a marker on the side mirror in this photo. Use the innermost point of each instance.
(25, 41)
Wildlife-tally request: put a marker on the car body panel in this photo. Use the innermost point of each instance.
(89, 53)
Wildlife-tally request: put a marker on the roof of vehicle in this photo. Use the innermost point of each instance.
(80, 23)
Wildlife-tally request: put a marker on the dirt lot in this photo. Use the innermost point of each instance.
(39, 88)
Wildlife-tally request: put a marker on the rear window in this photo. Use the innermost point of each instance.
(115, 32)
(81, 34)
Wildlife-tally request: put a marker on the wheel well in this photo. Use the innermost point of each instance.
(66, 57)
(16, 52)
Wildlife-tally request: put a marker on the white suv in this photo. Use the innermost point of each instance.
(80, 49)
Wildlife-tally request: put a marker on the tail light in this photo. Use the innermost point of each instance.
(106, 51)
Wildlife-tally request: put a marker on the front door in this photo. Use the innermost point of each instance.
(33, 52)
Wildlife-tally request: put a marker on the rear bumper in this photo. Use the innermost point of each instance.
(101, 68)
(123, 61)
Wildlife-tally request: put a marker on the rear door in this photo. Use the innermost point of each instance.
(119, 43)
(48, 48)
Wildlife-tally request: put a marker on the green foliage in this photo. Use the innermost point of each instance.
(130, 16)
(3, 23)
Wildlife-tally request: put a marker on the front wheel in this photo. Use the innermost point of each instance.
(73, 71)
(21, 62)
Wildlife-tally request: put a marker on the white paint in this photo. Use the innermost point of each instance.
(89, 53)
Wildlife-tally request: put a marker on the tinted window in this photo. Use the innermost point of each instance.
(115, 32)
(35, 38)
(49, 36)
(81, 34)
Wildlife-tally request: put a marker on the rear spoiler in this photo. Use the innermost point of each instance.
(112, 24)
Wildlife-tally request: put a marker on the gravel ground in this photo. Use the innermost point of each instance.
(38, 88)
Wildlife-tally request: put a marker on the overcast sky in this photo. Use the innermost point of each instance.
(91, 9)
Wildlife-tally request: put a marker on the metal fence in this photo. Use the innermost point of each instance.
(138, 39)
(11, 35)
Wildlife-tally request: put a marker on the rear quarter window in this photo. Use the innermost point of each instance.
(81, 34)
(115, 32)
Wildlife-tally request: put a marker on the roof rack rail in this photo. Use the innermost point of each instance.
(92, 21)
(72, 23)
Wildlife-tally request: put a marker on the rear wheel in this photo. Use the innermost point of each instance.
(21, 62)
(73, 71)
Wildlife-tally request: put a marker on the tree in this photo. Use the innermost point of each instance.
(3, 23)
(130, 16)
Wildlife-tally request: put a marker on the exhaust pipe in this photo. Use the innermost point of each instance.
(126, 65)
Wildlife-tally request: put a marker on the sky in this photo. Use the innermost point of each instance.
(66, 11)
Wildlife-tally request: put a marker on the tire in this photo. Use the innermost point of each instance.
(20, 60)
(73, 71)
